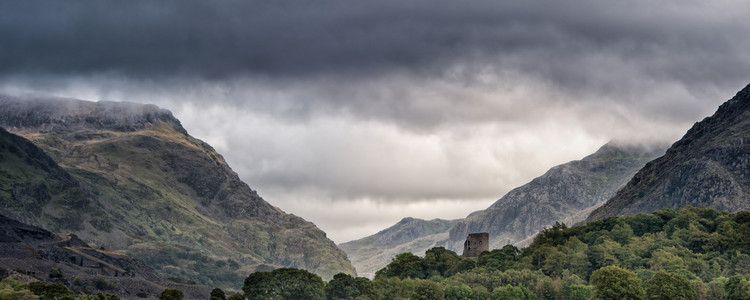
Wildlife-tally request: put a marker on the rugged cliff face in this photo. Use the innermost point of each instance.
(557, 196)
(708, 167)
(161, 195)
(374, 252)
(30, 250)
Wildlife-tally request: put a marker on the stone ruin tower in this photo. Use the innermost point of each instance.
(476, 243)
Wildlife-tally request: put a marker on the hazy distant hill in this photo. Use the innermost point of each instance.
(561, 194)
(138, 182)
(372, 253)
(708, 167)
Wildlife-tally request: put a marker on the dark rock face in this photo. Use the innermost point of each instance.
(558, 195)
(148, 186)
(37, 251)
(708, 167)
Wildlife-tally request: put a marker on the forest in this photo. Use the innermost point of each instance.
(691, 253)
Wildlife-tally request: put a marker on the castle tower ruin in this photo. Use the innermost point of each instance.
(476, 243)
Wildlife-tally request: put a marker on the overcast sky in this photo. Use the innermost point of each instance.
(355, 114)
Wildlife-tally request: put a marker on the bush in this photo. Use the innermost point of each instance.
(55, 273)
(171, 294)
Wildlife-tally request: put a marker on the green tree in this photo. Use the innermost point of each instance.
(666, 259)
(366, 288)
(668, 286)
(342, 286)
(512, 293)
(440, 261)
(53, 291)
(171, 294)
(576, 292)
(218, 294)
(428, 290)
(284, 283)
(458, 292)
(404, 265)
(613, 282)
(13, 290)
(500, 259)
(621, 233)
(394, 287)
(738, 287)
(55, 273)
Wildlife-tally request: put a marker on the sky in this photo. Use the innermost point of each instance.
(355, 114)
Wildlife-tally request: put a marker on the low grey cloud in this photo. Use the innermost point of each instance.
(389, 106)
(586, 49)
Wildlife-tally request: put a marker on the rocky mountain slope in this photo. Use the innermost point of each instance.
(35, 252)
(558, 195)
(31, 184)
(374, 252)
(708, 167)
(142, 185)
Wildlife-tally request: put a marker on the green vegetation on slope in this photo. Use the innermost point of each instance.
(693, 253)
(167, 197)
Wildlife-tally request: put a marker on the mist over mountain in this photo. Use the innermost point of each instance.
(708, 167)
(138, 183)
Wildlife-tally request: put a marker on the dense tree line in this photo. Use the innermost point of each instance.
(692, 253)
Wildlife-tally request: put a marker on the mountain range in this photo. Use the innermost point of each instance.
(708, 167)
(129, 178)
(565, 193)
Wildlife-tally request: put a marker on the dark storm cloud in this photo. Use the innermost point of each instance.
(387, 103)
(219, 39)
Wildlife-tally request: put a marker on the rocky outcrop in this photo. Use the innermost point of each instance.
(34, 252)
(708, 167)
(163, 196)
(558, 195)
(374, 252)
